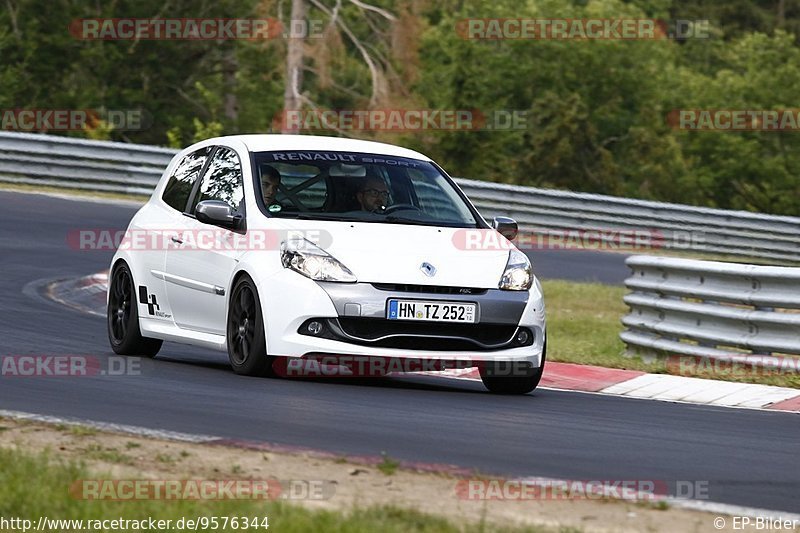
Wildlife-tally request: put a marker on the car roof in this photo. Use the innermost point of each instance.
(276, 142)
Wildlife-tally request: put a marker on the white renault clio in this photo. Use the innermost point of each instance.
(275, 247)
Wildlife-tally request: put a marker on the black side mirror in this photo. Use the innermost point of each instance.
(507, 227)
(218, 213)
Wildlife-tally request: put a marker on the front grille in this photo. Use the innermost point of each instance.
(430, 289)
(426, 335)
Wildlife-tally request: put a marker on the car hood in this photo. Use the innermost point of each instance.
(394, 253)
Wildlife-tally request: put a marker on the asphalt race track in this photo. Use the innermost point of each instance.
(748, 458)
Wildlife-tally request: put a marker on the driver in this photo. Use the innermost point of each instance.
(373, 195)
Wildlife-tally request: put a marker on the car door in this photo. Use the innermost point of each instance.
(201, 261)
(151, 231)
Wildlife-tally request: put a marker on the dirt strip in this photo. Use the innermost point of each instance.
(349, 482)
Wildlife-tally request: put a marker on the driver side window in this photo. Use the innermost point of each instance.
(222, 180)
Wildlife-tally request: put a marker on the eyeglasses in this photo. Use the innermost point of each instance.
(375, 193)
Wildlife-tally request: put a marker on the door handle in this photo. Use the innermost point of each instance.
(176, 240)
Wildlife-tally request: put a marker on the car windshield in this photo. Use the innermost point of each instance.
(358, 187)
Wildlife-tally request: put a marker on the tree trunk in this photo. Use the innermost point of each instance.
(294, 61)
(230, 65)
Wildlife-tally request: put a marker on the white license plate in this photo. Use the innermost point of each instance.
(432, 311)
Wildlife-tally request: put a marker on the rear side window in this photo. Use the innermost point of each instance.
(222, 180)
(180, 184)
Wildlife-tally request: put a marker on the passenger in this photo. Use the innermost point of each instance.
(270, 181)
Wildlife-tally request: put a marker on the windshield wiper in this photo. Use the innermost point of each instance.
(432, 222)
(321, 216)
(406, 220)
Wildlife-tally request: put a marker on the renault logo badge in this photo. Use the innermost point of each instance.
(428, 269)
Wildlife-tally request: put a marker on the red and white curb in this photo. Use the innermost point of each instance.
(664, 387)
(88, 294)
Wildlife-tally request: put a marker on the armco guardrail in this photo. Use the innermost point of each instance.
(674, 226)
(135, 169)
(711, 309)
(81, 164)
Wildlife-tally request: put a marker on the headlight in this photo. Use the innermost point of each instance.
(313, 262)
(518, 275)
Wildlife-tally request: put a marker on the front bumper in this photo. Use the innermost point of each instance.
(359, 311)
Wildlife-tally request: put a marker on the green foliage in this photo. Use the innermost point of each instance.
(388, 466)
(596, 110)
(200, 131)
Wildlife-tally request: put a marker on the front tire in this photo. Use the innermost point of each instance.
(247, 348)
(512, 377)
(122, 316)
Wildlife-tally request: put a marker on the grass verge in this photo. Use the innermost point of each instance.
(583, 326)
(34, 485)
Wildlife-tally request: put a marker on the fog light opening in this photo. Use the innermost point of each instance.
(523, 336)
(314, 328)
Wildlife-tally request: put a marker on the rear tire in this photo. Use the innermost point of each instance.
(247, 348)
(122, 316)
(512, 377)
